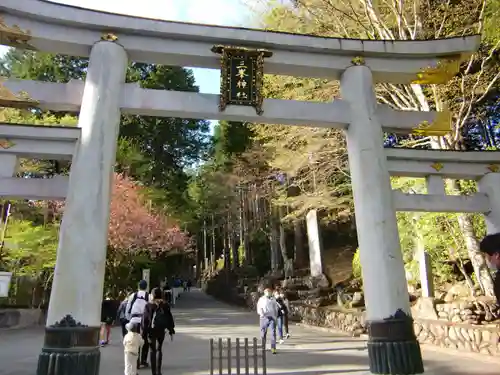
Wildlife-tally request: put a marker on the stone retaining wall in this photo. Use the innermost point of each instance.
(20, 318)
(460, 336)
(461, 325)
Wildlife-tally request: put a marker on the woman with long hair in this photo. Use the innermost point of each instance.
(156, 321)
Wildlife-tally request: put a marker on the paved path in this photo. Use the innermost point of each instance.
(199, 318)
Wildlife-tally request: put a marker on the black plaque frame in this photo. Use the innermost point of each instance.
(242, 76)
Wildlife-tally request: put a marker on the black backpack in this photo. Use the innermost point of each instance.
(160, 319)
(136, 297)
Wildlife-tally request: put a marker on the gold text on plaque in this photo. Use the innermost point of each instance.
(242, 76)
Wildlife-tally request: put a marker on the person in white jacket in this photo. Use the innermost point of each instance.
(267, 309)
(132, 343)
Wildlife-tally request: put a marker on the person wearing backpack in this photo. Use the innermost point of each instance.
(121, 314)
(135, 310)
(156, 321)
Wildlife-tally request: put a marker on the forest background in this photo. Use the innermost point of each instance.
(239, 196)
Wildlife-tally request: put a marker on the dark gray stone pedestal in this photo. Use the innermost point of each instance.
(393, 348)
(70, 348)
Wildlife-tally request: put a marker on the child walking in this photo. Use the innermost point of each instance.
(132, 342)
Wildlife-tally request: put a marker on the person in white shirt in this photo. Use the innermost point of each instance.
(132, 343)
(268, 308)
(135, 309)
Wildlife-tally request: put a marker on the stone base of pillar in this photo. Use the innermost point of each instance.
(70, 348)
(393, 348)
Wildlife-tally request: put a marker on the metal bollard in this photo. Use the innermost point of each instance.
(226, 352)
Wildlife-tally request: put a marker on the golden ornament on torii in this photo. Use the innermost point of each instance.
(443, 72)
(9, 99)
(14, 36)
(440, 127)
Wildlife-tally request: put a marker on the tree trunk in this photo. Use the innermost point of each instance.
(481, 269)
(232, 242)
(226, 256)
(273, 240)
(205, 245)
(299, 250)
(212, 253)
(282, 241)
(244, 228)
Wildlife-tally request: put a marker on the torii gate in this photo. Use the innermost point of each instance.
(110, 41)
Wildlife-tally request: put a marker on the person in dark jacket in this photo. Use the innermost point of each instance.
(121, 315)
(167, 293)
(490, 246)
(156, 321)
(280, 298)
(109, 309)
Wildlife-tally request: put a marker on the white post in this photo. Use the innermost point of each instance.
(146, 275)
(490, 185)
(315, 244)
(384, 280)
(81, 255)
(425, 270)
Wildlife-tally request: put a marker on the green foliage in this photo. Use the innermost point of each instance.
(154, 151)
(491, 32)
(41, 66)
(30, 250)
(259, 243)
(356, 265)
(157, 150)
(167, 145)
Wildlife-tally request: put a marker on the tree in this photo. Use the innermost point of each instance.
(41, 66)
(135, 235)
(135, 227)
(167, 145)
(469, 95)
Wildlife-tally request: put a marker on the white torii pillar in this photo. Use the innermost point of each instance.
(390, 326)
(74, 315)
(490, 185)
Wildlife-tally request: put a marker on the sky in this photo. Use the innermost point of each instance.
(215, 12)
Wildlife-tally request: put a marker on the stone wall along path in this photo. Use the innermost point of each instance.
(199, 318)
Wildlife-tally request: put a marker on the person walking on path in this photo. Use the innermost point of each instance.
(267, 309)
(490, 246)
(108, 315)
(157, 319)
(282, 315)
(135, 309)
(167, 293)
(132, 343)
(121, 314)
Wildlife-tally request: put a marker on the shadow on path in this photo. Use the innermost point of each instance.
(199, 318)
